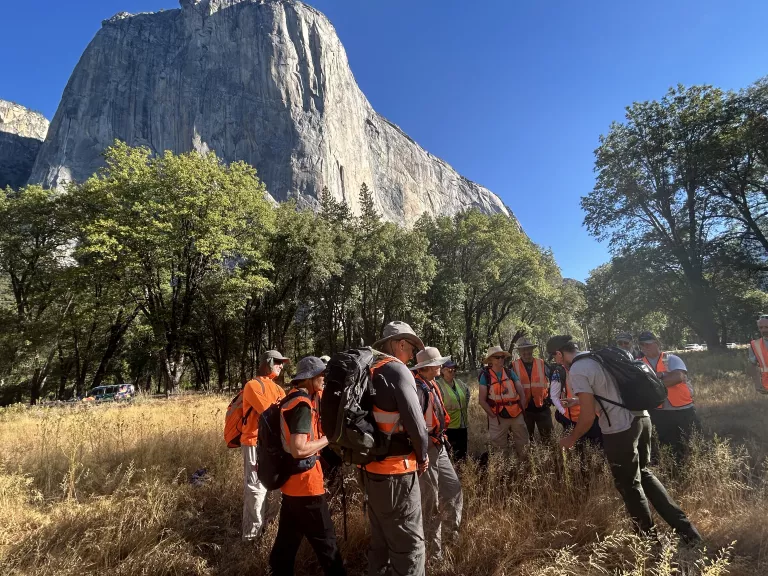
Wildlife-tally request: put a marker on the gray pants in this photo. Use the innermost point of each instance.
(259, 504)
(397, 534)
(441, 500)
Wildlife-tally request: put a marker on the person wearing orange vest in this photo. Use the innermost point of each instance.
(675, 419)
(758, 356)
(304, 511)
(441, 495)
(258, 395)
(532, 373)
(391, 485)
(501, 397)
(567, 409)
(626, 442)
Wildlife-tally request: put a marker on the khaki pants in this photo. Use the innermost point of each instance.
(259, 504)
(499, 429)
(397, 533)
(441, 500)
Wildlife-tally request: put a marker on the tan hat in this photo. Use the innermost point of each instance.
(430, 356)
(524, 343)
(398, 331)
(273, 355)
(493, 350)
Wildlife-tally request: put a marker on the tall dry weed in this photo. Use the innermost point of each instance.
(106, 489)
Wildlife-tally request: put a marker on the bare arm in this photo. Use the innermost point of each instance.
(586, 418)
(303, 447)
(482, 399)
(674, 377)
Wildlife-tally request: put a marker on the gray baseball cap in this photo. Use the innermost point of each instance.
(624, 336)
(309, 367)
(647, 336)
(399, 331)
(273, 355)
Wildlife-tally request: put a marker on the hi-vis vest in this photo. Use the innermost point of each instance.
(389, 423)
(456, 401)
(537, 385)
(678, 395)
(434, 409)
(761, 354)
(502, 393)
(572, 412)
(308, 480)
(315, 432)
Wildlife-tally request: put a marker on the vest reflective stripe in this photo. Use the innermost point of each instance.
(761, 354)
(678, 395)
(537, 385)
(456, 402)
(503, 394)
(389, 423)
(314, 433)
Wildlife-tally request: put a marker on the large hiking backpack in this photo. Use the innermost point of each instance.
(234, 421)
(639, 387)
(346, 407)
(275, 465)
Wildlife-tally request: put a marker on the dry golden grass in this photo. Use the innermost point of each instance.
(106, 489)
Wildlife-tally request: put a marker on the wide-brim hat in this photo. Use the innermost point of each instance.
(430, 356)
(398, 331)
(309, 367)
(493, 350)
(524, 343)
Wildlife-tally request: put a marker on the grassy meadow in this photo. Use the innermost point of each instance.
(107, 490)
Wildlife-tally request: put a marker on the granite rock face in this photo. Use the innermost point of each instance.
(22, 132)
(264, 81)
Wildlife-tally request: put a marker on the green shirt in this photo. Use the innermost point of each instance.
(456, 400)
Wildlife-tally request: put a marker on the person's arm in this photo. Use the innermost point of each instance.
(300, 424)
(554, 394)
(673, 378)
(303, 447)
(586, 419)
(411, 415)
(751, 355)
(482, 398)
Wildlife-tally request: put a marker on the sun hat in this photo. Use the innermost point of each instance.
(493, 350)
(398, 331)
(647, 336)
(309, 367)
(430, 356)
(525, 343)
(273, 355)
(557, 343)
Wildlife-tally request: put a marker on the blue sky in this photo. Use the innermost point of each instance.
(513, 93)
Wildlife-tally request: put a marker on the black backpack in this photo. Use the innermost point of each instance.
(346, 407)
(639, 387)
(275, 465)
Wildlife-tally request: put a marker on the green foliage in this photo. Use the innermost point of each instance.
(681, 198)
(174, 270)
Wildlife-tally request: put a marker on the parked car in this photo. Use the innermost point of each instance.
(694, 347)
(111, 392)
(732, 345)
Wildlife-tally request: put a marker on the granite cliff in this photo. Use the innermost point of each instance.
(265, 81)
(22, 132)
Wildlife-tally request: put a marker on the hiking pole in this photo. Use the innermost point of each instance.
(344, 504)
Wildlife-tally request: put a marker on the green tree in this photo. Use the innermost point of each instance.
(166, 225)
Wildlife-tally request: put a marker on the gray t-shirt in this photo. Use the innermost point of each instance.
(673, 363)
(588, 376)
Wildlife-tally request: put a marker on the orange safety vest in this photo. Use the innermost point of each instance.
(310, 482)
(435, 415)
(537, 386)
(761, 354)
(503, 394)
(389, 423)
(572, 412)
(678, 395)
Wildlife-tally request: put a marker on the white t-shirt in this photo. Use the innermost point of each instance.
(588, 376)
